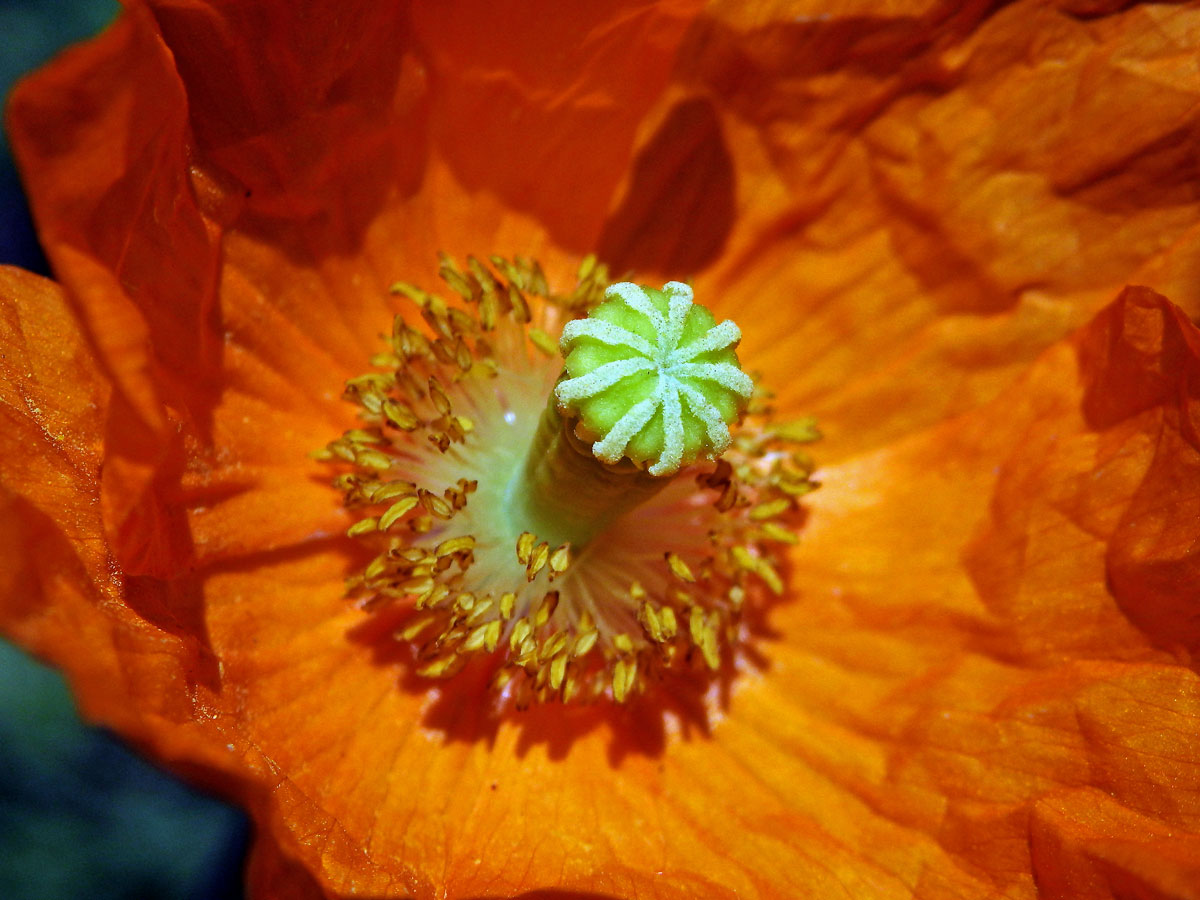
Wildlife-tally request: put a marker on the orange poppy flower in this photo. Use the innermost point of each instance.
(982, 679)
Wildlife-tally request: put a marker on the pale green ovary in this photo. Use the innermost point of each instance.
(653, 377)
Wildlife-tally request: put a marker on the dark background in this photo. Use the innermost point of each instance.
(81, 817)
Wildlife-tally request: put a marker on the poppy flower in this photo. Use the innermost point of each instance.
(963, 236)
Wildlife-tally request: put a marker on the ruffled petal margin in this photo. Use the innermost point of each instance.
(986, 682)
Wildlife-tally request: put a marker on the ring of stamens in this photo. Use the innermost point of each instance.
(448, 415)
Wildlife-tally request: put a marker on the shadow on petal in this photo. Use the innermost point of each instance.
(679, 204)
(1141, 358)
(684, 704)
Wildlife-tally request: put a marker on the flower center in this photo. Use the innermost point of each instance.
(650, 384)
(531, 510)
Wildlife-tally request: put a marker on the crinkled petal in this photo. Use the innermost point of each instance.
(1009, 667)
(924, 195)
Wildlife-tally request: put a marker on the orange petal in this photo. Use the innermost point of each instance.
(1007, 665)
(62, 596)
(100, 137)
(956, 665)
(1086, 846)
(52, 398)
(926, 198)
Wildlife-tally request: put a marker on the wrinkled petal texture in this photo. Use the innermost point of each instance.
(984, 683)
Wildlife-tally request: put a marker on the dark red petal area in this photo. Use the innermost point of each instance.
(541, 102)
(1145, 356)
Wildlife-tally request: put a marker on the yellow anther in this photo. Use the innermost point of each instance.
(558, 671)
(553, 647)
(743, 558)
(455, 545)
(400, 415)
(670, 627)
(483, 278)
(481, 608)
(375, 567)
(363, 526)
(508, 601)
(525, 545)
(438, 396)
(370, 458)
(679, 568)
(651, 622)
(478, 637)
(358, 436)
(768, 574)
(560, 560)
(545, 609)
(771, 509)
(383, 491)
(520, 307)
(462, 356)
(436, 505)
(435, 595)
(773, 531)
(537, 560)
(438, 668)
(570, 688)
(489, 311)
(344, 452)
(416, 626)
(452, 275)
(584, 642)
(696, 625)
(543, 341)
(520, 633)
(624, 675)
(418, 588)
(396, 511)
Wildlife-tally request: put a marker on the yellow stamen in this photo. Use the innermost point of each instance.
(459, 397)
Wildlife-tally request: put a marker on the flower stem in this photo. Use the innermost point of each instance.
(563, 494)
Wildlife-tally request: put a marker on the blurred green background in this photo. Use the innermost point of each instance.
(81, 817)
